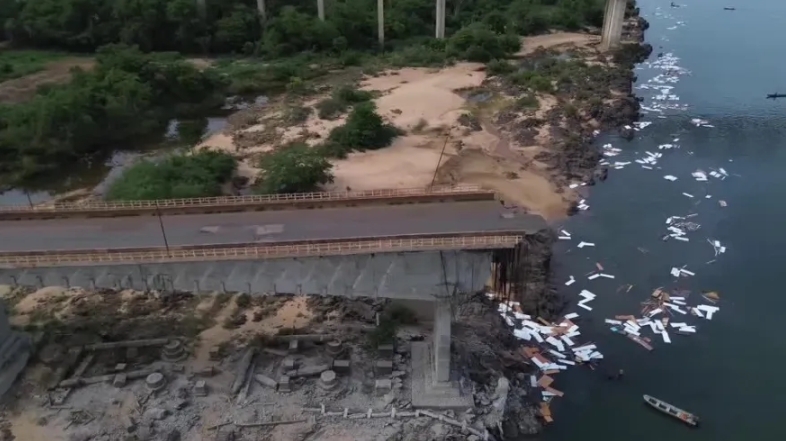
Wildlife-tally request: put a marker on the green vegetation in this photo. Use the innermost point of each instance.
(363, 130)
(181, 176)
(234, 26)
(298, 167)
(294, 168)
(131, 93)
(342, 98)
(15, 64)
(128, 95)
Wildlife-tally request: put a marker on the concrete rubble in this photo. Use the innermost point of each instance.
(666, 310)
(331, 380)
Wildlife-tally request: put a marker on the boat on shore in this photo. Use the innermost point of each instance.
(673, 411)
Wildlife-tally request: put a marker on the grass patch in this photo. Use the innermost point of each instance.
(341, 99)
(18, 63)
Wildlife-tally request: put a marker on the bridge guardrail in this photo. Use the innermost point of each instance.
(238, 203)
(260, 251)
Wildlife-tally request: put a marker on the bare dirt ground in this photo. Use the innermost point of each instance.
(436, 109)
(216, 332)
(20, 89)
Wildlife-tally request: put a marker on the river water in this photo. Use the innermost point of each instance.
(729, 373)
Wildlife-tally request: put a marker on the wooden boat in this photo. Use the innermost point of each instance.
(686, 417)
(772, 96)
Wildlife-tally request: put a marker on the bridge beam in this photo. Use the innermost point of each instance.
(440, 25)
(613, 19)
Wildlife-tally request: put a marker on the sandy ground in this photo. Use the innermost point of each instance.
(20, 89)
(428, 104)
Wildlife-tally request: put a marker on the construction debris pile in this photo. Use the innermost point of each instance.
(656, 314)
(666, 312)
(552, 348)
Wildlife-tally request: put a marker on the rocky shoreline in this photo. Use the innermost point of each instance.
(576, 160)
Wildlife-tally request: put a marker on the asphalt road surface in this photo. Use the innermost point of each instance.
(339, 223)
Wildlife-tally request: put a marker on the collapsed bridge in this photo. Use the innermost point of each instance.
(432, 246)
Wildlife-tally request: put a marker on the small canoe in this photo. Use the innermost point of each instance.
(684, 416)
(773, 96)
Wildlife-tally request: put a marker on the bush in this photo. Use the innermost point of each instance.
(294, 168)
(499, 67)
(479, 43)
(364, 130)
(181, 176)
(341, 99)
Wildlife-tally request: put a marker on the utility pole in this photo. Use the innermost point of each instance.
(29, 201)
(163, 232)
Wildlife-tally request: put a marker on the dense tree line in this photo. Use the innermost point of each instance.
(127, 95)
(291, 26)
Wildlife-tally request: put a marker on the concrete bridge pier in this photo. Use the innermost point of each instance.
(261, 9)
(381, 22)
(613, 19)
(432, 384)
(440, 26)
(321, 9)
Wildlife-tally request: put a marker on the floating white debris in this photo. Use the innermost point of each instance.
(571, 281)
(670, 178)
(687, 194)
(583, 244)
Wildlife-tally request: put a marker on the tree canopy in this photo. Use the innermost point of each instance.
(294, 168)
(290, 27)
(179, 176)
(126, 96)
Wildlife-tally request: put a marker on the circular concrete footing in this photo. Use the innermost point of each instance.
(173, 351)
(328, 380)
(155, 381)
(334, 347)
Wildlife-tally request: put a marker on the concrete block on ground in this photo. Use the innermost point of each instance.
(120, 380)
(266, 381)
(381, 387)
(341, 366)
(385, 351)
(308, 371)
(293, 345)
(383, 368)
(200, 388)
(284, 384)
(289, 364)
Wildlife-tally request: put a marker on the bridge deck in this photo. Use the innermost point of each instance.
(268, 227)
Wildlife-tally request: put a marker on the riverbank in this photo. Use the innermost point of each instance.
(497, 125)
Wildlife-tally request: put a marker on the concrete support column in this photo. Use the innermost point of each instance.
(261, 10)
(201, 9)
(613, 19)
(381, 22)
(440, 32)
(321, 9)
(442, 318)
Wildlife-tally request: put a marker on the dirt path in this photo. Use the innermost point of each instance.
(21, 89)
(547, 41)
